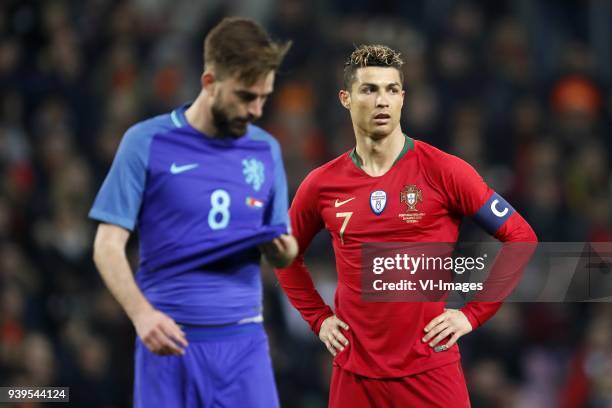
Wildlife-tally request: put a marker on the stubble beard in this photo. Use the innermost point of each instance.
(227, 127)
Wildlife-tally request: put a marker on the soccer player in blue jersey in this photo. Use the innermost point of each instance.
(207, 192)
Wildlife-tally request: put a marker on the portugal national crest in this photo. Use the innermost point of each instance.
(411, 195)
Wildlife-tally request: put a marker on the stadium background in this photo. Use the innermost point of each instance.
(520, 89)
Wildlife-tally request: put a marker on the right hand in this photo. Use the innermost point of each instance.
(331, 335)
(160, 333)
(281, 251)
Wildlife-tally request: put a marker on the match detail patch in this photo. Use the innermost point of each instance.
(254, 203)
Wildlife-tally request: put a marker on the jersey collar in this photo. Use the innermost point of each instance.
(408, 145)
(179, 120)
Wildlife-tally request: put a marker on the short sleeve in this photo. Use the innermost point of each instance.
(278, 211)
(119, 199)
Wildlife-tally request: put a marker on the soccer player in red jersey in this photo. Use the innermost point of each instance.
(390, 188)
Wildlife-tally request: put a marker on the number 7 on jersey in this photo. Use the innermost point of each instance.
(347, 216)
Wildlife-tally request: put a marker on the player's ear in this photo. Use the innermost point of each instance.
(345, 98)
(207, 80)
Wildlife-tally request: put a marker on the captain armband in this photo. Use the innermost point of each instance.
(494, 213)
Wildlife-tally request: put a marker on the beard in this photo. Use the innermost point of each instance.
(227, 126)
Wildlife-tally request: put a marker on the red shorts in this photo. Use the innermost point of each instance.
(441, 387)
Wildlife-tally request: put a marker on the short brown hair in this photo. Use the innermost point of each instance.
(371, 56)
(241, 46)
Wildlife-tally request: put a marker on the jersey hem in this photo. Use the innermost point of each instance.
(440, 362)
(108, 218)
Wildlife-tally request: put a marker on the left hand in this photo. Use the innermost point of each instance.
(450, 323)
(281, 251)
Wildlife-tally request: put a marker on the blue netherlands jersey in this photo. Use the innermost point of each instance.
(201, 206)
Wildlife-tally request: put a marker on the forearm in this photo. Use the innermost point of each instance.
(116, 273)
(520, 242)
(299, 287)
(295, 279)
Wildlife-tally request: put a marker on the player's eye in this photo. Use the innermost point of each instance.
(246, 96)
(367, 89)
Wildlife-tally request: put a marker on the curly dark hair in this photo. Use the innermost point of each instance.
(374, 55)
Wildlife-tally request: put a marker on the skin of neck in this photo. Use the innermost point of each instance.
(378, 153)
(199, 114)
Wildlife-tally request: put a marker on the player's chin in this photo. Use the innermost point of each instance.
(382, 129)
(380, 132)
(238, 128)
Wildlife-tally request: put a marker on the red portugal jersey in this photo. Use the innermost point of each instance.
(385, 338)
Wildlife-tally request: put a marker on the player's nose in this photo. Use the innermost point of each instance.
(382, 100)
(255, 108)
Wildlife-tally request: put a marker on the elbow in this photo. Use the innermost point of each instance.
(99, 253)
(530, 235)
(109, 243)
(534, 237)
(517, 229)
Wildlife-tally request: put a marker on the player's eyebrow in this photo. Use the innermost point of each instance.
(374, 85)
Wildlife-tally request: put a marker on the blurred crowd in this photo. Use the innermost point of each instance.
(520, 89)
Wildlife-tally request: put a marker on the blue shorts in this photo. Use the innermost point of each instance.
(227, 366)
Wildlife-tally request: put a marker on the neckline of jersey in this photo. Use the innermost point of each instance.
(184, 124)
(408, 145)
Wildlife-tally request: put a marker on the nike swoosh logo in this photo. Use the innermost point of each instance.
(339, 203)
(174, 169)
